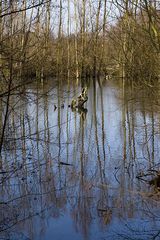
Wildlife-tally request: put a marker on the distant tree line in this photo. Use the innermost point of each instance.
(79, 38)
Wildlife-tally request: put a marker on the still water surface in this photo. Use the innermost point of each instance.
(81, 174)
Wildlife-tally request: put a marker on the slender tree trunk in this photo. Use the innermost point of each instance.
(83, 36)
(96, 38)
(101, 61)
(75, 41)
(59, 55)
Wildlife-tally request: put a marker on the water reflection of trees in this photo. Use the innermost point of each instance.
(97, 180)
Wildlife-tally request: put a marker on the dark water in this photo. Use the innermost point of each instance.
(81, 174)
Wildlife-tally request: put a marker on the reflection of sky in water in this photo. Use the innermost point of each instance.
(98, 196)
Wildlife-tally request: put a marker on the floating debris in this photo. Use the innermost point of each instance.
(67, 164)
(55, 107)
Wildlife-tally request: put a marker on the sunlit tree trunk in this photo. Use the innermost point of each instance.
(102, 53)
(96, 38)
(23, 21)
(59, 54)
(83, 27)
(46, 36)
(76, 41)
(38, 72)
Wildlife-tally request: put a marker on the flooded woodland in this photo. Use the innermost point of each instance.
(81, 174)
(79, 120)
